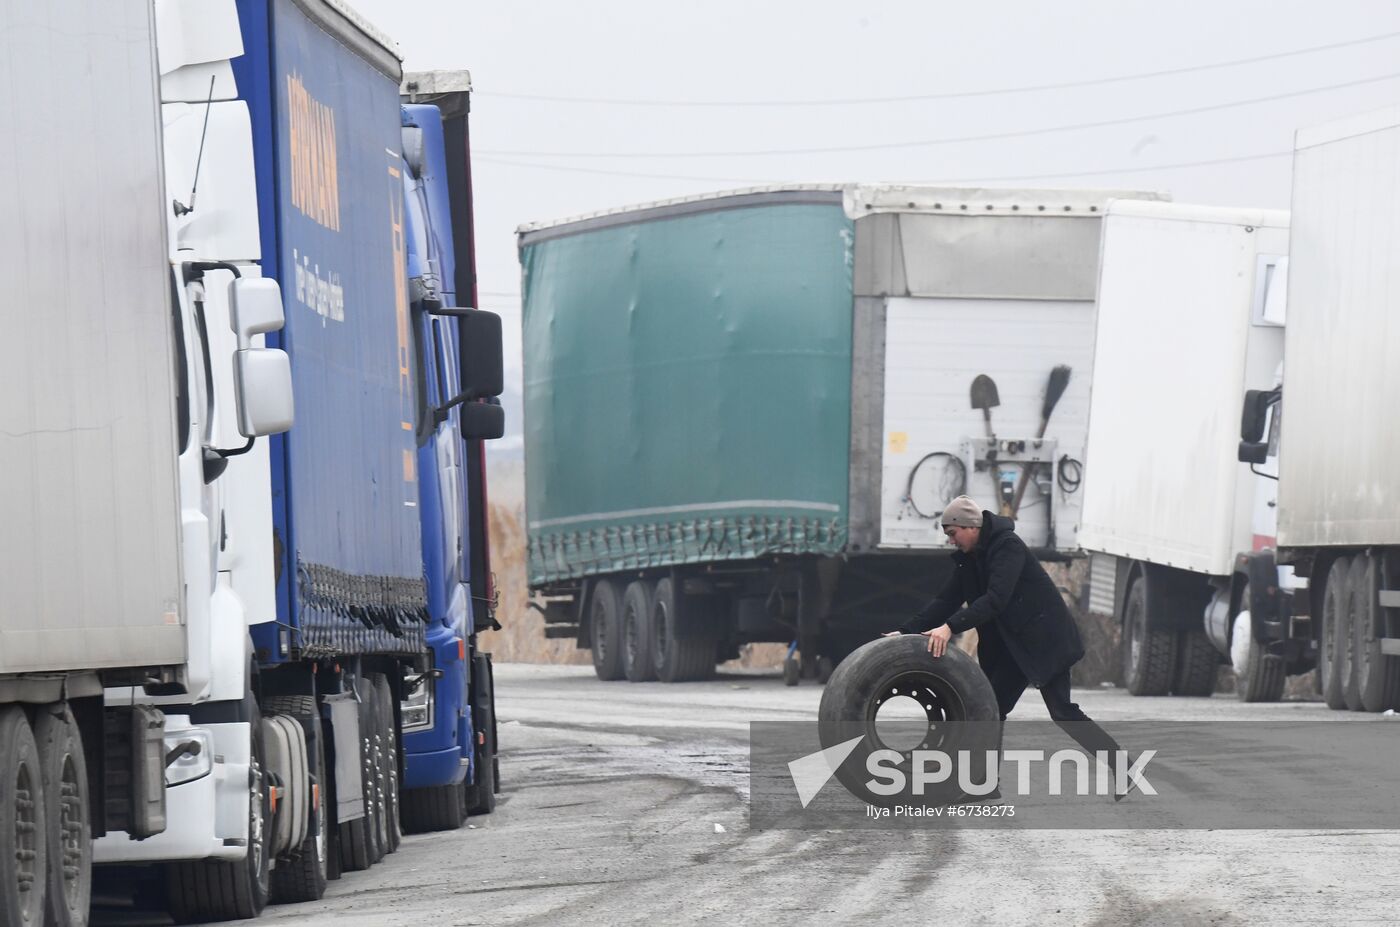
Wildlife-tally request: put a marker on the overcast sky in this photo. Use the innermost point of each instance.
(586, 106)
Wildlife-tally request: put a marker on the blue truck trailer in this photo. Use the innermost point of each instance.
(329, 610)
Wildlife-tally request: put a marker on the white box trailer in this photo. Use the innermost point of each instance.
(1191, 313)
(1339, 481)
(971, 306)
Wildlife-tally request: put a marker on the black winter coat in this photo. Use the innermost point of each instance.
(1012, 602)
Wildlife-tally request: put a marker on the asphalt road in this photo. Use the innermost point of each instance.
(627, 804)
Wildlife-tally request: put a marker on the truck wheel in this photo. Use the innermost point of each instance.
(372, 760)
(1335, 629)
(1259, 677)
(481, 794)
(825, 667)
(792, 671)
(1148, 653)
(357, 851)
(1375, 681)
(303, 874)
(389, 769)
(637, 632)
(605, 622)
(215, 890)
(24, 864)
(679, 653)
(437, 808)
(957, 699)
(1347, 676)
(1196, 664)
(66, 808)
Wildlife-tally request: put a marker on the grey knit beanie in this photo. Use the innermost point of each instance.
(962, 512)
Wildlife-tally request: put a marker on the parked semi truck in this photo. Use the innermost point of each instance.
(325, 625)
(450, 766)
(1191, 316)
(1339, 487)
(745, 411)
(116, 445)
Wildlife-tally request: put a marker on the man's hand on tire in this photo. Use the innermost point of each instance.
(938, 639)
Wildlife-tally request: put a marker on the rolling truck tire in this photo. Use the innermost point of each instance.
(957, 699)
(23, 863)
(67, 809)
(302, 875)
(605, 622)
(637, 662)
(1149, 654)
(1331, 669)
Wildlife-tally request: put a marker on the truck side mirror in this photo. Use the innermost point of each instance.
(1256, 413)
(483, 370)
(483, 421)
(262, 379)
(1254, 452)
(255, 308)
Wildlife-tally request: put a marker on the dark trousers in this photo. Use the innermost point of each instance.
(1008, 682)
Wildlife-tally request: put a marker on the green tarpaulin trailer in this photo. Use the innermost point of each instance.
(745, 411)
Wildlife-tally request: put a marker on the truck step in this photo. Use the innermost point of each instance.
(1390, 646)
(1390, 598)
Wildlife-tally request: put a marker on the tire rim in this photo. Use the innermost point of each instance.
(1137, 626)
(72, 834)
(1241, 645)
(940, 701)
(256, 850)
(26, 844)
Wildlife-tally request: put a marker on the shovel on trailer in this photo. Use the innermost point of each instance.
(984, 397)
(1054, 389)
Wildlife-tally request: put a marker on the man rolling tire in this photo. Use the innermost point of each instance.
(1025, 634)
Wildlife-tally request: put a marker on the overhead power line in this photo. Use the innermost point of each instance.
(948, 140)
(952, 95)
(1142, 169)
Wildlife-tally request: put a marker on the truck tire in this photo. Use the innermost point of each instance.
(1375, 680)
(1149, 657)
(955, 694)
(389, 769)
(1259, 676)
(605, 623)
(1347, 676)
(302, 875)
(1335, 629)
(24, 862)
(67, 810)
(637, 663)
(216, 890)
(481, 794)
(1197, 663)
(357, 851)
(679, 652)
(433, 809)
(370, 759)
